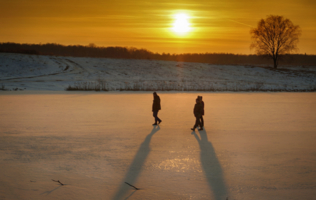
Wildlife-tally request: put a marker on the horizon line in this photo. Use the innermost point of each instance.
(93, 45)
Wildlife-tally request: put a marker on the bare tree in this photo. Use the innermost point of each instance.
(275, 36)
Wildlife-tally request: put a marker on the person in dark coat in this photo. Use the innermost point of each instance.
(156, 108)
(201, 119)
(197, 113)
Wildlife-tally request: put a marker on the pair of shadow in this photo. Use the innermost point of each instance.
(210, 164)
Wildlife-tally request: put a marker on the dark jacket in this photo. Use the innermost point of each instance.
(198, 108)
(202, 107)
(156, 104)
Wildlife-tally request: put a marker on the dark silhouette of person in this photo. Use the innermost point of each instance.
(201, 119)
(197, 111)
(156, 108)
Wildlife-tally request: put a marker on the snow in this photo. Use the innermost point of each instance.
(255, 146)
(35, 72)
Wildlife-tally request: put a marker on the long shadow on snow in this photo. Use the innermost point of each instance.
(211, 166)
(136, 167)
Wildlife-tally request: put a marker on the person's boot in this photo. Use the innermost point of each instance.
(193, 129)
(159, 121)
(201, 129)
(154, 124)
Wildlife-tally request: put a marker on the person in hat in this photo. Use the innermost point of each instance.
(156, 108)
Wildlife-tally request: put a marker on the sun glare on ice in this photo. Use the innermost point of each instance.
(181, 24)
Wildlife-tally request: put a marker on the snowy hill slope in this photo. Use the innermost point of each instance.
(34, 72)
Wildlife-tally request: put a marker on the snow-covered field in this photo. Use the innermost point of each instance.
(33, 72)
(255, 146)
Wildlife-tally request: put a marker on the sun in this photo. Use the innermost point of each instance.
(181, 24)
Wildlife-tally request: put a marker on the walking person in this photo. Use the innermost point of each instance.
(156, 108)
(197, 113)
(201, 119)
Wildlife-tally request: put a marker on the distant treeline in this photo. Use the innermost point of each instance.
(134, 53)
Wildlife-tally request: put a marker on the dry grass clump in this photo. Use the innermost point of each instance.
(210, 86)
(99, 85)
(2, 87)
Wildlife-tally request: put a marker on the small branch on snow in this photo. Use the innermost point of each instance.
(132, 186)
(57, 182)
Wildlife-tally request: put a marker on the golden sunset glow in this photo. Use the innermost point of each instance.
(181, 24)
(187, 26)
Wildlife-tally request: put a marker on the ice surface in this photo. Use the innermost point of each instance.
(255, 146)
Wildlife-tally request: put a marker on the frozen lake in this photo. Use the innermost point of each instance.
(254, 146)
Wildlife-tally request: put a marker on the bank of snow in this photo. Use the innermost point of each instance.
(34, 72)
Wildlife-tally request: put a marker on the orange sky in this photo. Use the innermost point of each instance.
(217, 25)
